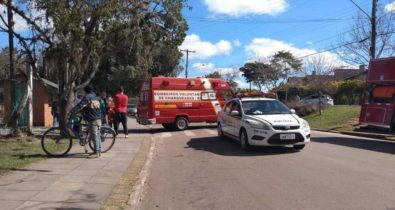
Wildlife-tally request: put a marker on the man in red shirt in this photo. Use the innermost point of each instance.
(121, 104)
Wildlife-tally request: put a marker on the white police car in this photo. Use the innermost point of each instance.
(260, 121)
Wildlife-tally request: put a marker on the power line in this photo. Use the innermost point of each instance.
(343, 45)
(249, 21)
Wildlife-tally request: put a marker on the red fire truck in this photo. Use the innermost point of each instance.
(378, 106)
(175, 102)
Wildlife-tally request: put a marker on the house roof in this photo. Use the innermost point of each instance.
(339, 74)
(46, 82)
(296, 80)
(342, 74)
(319, 78)
(310, 78)
(49, 83)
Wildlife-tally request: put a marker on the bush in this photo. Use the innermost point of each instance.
(343, 92)
(303, 110)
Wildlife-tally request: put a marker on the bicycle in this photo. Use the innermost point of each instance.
(57, 142)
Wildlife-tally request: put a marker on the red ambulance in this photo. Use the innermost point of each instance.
(378, 106)
(176, 102)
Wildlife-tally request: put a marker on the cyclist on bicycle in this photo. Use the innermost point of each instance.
(91, 113)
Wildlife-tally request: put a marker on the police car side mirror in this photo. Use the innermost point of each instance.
(235, 113)
(292, 111)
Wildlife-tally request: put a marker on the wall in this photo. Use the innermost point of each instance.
(41, 109)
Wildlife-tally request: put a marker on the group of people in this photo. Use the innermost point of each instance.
(97, 109)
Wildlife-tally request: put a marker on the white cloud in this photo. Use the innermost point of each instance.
(245, 7)
(309, 43)
(263, 48)
(390, 7)
(20, 23)
(237, 43)
(205, 49)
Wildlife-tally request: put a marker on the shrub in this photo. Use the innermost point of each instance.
(303, 110)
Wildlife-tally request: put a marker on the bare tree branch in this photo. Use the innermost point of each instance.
(44, 35)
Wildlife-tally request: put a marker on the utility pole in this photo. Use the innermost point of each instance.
(186, 62)
(11, 56)
(373, 32)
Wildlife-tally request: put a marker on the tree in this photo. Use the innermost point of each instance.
(5, 62)
(285, 63)
(228, 77)
(272, 74)
(215, 74)
(146, 46)
(355, 45)
(258, 73)
(318, 65)
(75, 38)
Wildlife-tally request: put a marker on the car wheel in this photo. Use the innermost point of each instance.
(181, 123)
(220, 132)
(299, 147)
(244, 144)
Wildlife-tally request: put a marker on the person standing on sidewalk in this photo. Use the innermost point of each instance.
(121, 103)
(111, 111)
(90, 110)
(103, 106)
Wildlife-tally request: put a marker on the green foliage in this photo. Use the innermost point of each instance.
(272, 74)
(258, 73)
(215, 74)
(145, 37)
(227, 77)
(342, 92)
(350, 92)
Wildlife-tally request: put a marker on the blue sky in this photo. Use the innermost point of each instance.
(227, 33)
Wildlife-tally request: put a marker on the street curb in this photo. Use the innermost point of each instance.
(360, 134)
(119, 197)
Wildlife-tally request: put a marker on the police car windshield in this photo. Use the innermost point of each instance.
(264, 107)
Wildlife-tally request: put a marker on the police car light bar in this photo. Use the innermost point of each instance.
(255, 95)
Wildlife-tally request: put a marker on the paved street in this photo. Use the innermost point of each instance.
(193, 169)
(71, 182)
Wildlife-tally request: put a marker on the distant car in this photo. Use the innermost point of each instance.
(260, 121)
(132, 110)
(314, 100)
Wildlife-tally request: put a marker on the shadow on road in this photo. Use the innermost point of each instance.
(228, 147)
(161, 129)
(372, 145)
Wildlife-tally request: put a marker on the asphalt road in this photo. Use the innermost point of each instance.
(194, 169)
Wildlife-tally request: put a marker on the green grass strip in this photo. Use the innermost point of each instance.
(337, 118)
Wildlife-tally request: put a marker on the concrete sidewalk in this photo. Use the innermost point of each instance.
(72, 182)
